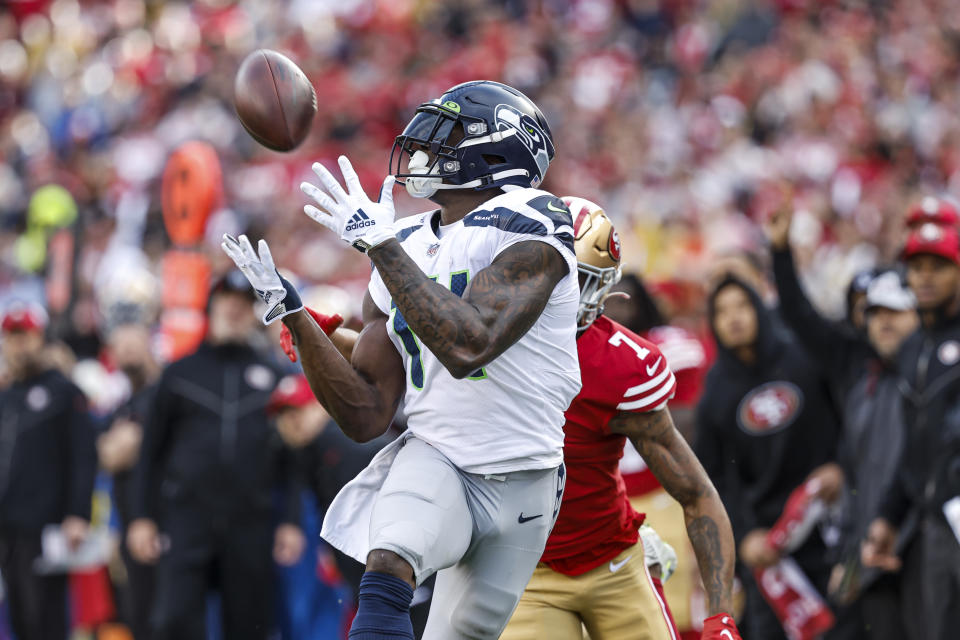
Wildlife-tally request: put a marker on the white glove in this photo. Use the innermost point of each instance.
(350, 214)
(656, 551)
(276, 292)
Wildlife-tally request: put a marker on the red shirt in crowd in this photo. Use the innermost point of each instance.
(621, 372)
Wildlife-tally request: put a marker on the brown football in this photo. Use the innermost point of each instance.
(274, 100)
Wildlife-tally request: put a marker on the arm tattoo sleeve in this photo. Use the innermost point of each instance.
(500, 304)
(676, 467)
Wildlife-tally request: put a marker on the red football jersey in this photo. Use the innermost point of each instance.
(689, 359)
(621, 372)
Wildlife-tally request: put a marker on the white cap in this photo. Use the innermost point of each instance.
(888, 291)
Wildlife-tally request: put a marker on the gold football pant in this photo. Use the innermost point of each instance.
(615, 601)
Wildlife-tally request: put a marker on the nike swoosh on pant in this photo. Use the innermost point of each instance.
(616, 566)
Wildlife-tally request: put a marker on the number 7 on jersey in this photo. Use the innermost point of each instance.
(619, 338)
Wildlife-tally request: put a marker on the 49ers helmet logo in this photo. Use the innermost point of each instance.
(769, 408)
(614, 247)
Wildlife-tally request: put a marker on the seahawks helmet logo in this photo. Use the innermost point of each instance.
(528, 132)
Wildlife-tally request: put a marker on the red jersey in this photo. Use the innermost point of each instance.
(689, 359)
(621, 372)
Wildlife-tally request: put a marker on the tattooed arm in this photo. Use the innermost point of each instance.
(361, 394)
(500, 304)
(678, 470)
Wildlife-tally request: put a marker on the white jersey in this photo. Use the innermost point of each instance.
(507, 416)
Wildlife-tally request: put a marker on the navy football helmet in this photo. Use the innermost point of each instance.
(477, 135)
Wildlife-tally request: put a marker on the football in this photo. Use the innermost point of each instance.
(274, 100)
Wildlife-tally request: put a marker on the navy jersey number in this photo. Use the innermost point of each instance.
(458, 284)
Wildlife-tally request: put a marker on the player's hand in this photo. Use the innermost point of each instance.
(328, 324)
(288, 545)
(276, 292)
(756, 552)
(658, 553)
(778, 227)
(350, 214)
(143, 540)
(720, 627)
(878, 550)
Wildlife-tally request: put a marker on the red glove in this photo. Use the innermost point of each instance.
(328, 324)
(720, 627)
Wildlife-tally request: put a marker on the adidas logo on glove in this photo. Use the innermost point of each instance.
(359, 221)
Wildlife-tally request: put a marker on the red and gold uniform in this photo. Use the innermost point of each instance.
(593, 573)
(621, 372)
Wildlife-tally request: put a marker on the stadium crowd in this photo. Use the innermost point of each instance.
(756, 156)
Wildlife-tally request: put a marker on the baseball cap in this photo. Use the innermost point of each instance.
(934, 239)
(233, 282)
(293, 391)
(24, 316)
(935, 210)
(888, 291)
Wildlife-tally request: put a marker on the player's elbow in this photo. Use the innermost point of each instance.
(465, 362)
(459, 372)
(466, 365)
(362, 431)
(361, 436)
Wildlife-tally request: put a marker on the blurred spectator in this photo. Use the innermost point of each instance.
(856, 296)
(130, 351)
(329, 460)
(47, 467)
(764, 426)
(685, 353)
(204, 486)
(861, 364)
(929, 475)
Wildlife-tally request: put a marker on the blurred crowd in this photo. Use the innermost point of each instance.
(693, 123)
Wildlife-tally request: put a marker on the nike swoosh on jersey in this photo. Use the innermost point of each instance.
(523, 519)
(553, 208)
(651, 369)
(616, 566)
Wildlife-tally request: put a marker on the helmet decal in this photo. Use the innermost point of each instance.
(614, 247)
(581, 217)
(528, 132)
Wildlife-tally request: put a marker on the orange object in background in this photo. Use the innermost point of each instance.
(182, 331)
(191, 190)
(186, 286)
(112, 631)
(186, 280)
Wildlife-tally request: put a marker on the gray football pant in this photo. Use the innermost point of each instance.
(482, 534)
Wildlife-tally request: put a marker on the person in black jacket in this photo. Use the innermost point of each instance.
(765, 425)
(118, 448)
(929, 477)
(47, 467)
(209, 466)
(861, 365)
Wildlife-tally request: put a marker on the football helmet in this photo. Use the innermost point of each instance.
(597, 245)
(477, 135)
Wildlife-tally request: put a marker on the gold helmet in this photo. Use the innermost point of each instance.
(598, 256)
